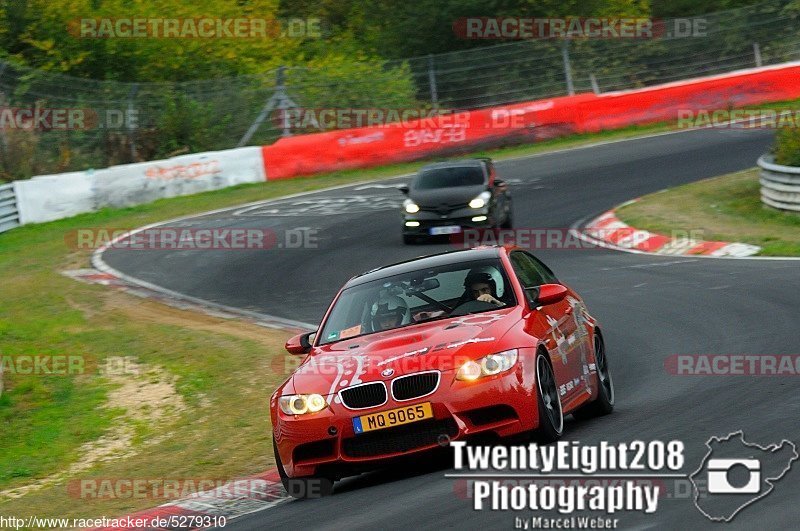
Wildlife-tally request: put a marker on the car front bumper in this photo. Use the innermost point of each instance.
(421, 223)
(502, 406)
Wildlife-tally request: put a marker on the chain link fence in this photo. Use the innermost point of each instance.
(129, 122)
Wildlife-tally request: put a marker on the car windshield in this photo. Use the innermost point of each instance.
(418, 296)
(449, 177)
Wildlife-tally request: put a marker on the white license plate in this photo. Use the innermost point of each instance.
(436, 231)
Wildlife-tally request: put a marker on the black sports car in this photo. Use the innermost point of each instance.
(446, 197)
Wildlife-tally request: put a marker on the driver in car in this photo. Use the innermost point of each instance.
(389, 312)
(483, 288)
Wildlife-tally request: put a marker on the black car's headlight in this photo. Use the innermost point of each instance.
(481, 201)
(302, 404)
(410, 206)
(488, 365)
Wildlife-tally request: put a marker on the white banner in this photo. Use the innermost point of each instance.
(50, 197)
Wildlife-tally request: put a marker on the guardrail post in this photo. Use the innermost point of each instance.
(127, 118)
(567, 66)
(279, 100)
(595, 86)
(3, 141)
(757, 53)
(432, 81)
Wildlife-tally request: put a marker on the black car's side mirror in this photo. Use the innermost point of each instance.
(403, 188)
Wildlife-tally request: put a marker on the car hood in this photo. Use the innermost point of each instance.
(460, 195)
(439, 345)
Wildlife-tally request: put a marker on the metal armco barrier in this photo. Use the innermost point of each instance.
(780, 185)
(9, 216)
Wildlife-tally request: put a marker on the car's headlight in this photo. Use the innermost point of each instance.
(302, 404)
(487, 365)
(481, 200)
(410, 206)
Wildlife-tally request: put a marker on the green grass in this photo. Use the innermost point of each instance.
(725, 208)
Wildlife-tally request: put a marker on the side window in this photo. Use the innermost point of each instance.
(530, 271)
(547, 274)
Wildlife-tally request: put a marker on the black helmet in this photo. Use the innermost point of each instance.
(389, 307)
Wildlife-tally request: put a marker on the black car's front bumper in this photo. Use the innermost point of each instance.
(420, 224)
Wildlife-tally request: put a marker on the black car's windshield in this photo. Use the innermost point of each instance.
(449, 177)
(418, 296)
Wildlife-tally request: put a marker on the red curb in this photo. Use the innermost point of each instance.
(609, 229)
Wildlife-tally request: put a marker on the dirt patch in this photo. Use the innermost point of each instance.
(144, 395)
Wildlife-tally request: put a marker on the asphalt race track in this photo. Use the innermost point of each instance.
(649, 307)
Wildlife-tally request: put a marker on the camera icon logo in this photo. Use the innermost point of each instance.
(736, 473)
(720, 469)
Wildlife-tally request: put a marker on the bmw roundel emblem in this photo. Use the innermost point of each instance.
(387, 372)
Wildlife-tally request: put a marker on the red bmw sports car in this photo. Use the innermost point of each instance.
(484, 341)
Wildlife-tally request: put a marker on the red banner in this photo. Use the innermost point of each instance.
(463, 132)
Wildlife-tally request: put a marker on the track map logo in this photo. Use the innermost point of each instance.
(738, 473)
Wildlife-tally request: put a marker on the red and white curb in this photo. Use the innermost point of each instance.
(230, 501)
(610, 231)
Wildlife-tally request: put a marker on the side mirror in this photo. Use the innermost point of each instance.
(546, 294)
(403, 188)
(300, 344)
(499, 183)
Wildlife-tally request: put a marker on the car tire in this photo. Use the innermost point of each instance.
(409, 240)
(551, 415)
(604, 403)
(304, 487)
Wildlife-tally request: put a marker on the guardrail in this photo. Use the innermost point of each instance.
(780, 185)
(9, 215)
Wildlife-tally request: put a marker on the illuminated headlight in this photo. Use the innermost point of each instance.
(480, 201)
(410, 206)
(302, 404)
(487, 365)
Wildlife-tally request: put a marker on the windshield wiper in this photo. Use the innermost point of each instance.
(429, 319)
